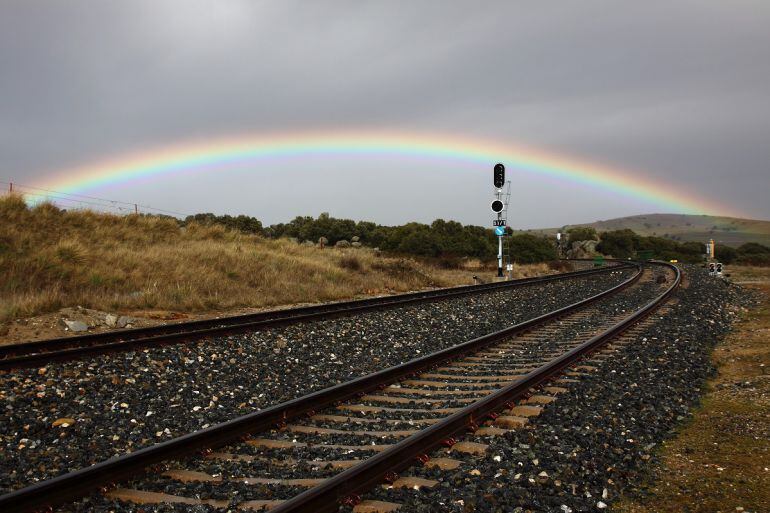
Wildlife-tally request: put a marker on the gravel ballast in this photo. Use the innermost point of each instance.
(598, 440)
(69, 415)
(233, 490)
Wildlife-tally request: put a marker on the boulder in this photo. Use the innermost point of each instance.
(355, 244)
(76, 326)
(111, 320)
(323, 241)
(355, 238)
(308, 243)
(124, 321)
(342, 244)
(583, 249)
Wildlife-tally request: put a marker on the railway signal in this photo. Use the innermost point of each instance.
(499, 176)
(497, 206)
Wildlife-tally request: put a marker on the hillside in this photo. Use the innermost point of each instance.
(682, 227)
(53, 259)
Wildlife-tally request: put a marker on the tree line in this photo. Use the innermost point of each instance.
(628, 244)
(441, 238)
(444, 238)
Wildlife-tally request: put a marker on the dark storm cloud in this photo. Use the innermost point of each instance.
(677, 89)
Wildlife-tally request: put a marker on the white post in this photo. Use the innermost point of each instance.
(500, 256)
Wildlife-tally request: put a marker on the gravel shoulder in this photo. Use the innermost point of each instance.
(69, 415)
(720, 460)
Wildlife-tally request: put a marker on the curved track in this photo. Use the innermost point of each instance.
(38, 353)
(416, 408)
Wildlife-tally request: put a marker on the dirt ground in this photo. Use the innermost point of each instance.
(52, 325)
(720, 461)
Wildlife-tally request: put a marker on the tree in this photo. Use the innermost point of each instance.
(581, 233)
(530, 249)
(725, 254)
(753, 248)
(692, 252)
(753, 253)
(241, 223)
(618, 243)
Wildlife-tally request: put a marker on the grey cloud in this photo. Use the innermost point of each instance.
(677, 90)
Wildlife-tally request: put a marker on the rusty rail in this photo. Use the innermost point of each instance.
(328, 496)
(38, 353)
(79, 483)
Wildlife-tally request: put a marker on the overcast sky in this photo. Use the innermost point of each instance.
(677, 90)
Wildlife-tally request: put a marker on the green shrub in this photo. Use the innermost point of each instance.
(619, 243)
(581, 233)
(725, 254)
(530, 249)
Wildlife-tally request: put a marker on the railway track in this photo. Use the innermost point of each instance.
(38, 353)
(326, 449)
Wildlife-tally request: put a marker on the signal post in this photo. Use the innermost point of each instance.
(497, 207)
(714, 267)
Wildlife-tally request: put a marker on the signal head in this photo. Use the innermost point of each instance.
(499, 176)
(497, 206)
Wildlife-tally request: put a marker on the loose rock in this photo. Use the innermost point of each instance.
(76, 326)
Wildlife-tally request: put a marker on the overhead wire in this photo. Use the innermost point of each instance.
(72, 197)
(53, 198)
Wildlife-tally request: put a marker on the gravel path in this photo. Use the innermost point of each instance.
(596, 441)
(117, 403)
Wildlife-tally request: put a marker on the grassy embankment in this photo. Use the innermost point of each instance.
(52, 259)
(720, 461)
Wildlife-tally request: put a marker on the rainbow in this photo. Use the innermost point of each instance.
(480, 154)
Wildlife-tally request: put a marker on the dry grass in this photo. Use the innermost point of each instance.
(52, 259)
(746, 274)
(720, 461)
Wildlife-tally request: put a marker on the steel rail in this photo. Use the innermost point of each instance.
(328, 496)
(32, 354)
(78, 483)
